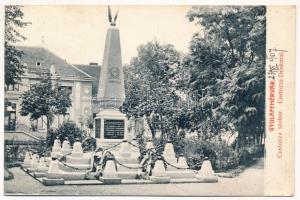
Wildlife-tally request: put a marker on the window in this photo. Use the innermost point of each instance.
(34, 125)
(65, 87)
(10, 117)
(86, 110)
(67, 115)
(97, 128)
(12, 87)
(16, 87)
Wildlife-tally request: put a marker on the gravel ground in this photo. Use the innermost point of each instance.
(249, 183)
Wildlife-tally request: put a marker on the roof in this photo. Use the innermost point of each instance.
(94, 71)
(33, 55)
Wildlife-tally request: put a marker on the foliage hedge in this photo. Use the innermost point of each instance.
(66, 129)
(222, 156)
(15, 154)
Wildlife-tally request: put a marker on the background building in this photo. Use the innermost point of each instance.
(82, 80)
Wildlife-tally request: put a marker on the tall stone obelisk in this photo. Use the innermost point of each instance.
(110, 123)
(111, 89)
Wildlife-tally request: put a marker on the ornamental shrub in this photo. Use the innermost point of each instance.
(66, 129)
(222, 156)
(141, 141)
(89, 144)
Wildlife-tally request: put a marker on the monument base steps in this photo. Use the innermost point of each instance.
(57, 175)
(125, 169)
(184, 180)
(92, 180)
(73, 176)
(181, 174)
(84, 182)
(136, 181)
(171, 168)
(31, 170)
(68, 175)
(78, 160)
(108, 144)
(51, 182)
(127, 174)
(207, 179)
(25, 166)
(39, 174)
(66, 151)
(125, 154)
(159, 179)
(56, 154)
(42, 169)
(74, 167)
(171, 160)
(110, 181)
(77, 154)
(126, 161)
(48, 160)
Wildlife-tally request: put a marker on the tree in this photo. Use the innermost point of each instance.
(45, 99)
(149, 83)
(13, 22)
(71, 130)
(226, 64)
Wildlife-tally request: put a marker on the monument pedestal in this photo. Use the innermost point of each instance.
(110, 127)
(206, 174)
(159, 173)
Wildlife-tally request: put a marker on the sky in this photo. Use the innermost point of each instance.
(77, 33)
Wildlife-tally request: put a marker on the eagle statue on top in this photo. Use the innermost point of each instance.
(110, 19)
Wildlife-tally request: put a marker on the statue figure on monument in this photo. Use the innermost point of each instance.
(110, 19)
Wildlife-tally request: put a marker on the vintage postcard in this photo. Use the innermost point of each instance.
(149, 100)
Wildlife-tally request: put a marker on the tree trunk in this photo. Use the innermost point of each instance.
(239, 142)
(161, 125)
(48, 125)
(237, 145)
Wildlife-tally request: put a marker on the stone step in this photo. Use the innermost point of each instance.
(72, 175)
(127, 175)
(79, 160)
(125, 169)
(67, 175)
(181, 174)
(106, 145)
(136, 181)
(39, 174)
(110, 181)
(158, 179)
(52, 182)
(128, 160)
(84, 182)
(207, 179)
(74, 167)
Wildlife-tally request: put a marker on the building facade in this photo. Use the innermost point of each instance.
(81, 80)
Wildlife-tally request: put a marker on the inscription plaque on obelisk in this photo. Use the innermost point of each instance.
(110, 123)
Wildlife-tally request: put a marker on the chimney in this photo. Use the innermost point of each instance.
(93, 63)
